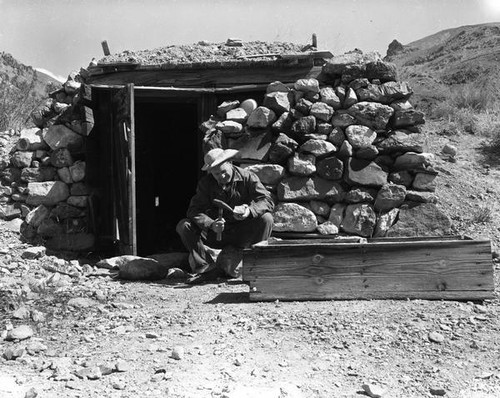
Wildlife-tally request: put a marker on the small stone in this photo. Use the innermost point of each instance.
(152, 335)
(436, 337)
(437, 391)
(373, 390)
(21, 332)
(92, 373)
(122, 366)
(119, 385)
(21, 313)
(178, 352)
(31, 393)
(34, 252)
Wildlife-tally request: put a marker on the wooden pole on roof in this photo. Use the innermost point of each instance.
(314, 40)
(105, 47)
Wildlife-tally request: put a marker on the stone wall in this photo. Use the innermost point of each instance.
(341, 155)
(42, 179)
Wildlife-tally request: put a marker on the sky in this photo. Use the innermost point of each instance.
(61, 36)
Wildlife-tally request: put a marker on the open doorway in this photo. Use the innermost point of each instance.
(167, 169)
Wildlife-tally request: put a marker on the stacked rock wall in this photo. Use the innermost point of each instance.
(344, 154)
(42, 179)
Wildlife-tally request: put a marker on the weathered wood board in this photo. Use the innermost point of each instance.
(383, 268)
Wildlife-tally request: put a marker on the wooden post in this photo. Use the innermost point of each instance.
(314, 40)
(105, 47)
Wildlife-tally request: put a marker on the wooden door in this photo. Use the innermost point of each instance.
(123, 173)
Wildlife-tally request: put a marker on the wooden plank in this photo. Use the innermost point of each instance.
(132, 211)
(206, 77)
(87, 116)
(425, 269)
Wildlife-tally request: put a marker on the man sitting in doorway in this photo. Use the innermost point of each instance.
(249, 222)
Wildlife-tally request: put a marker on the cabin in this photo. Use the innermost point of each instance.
(144, 153)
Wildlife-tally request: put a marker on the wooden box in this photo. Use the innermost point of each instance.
(382, 268)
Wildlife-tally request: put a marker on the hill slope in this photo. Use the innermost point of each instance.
(443, 69)
(21, 89)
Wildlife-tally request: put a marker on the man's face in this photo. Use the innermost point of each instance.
(222, 173)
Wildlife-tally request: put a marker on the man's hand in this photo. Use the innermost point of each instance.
(241, 212)
(218, 225)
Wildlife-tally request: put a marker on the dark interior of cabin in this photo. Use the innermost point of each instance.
(167, 161)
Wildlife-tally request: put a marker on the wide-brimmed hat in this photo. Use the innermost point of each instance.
(217, 156)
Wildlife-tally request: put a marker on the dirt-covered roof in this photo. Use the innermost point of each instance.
(206, 53)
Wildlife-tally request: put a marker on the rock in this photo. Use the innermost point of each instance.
(92, 373)
(407, 118)
(369, 152)
(31, 139)
(21, 332)
(338, 64)
(424, 182)
(329, 97)
(307, 86)
(178, 353)
(59, 136)
(11, 353)
(401, 178)
(31, 393)
(437, 391)
(359, 219)
(65, 175)
(293, 217)
(79, 189)
(82, 302)
(122, 366)
(345, 150)
(284, 122)
(350, 98)
(342, 119)
(230, 127)
(269, 174)
(423, 220)
(278, 101)
(318, 148)
(64, 211)
(364, 172)
(261, 117)
(371, 114)
(449, 149)
(306, 189)
(304, 125)
(385, 222)
(373, 390)
(389, 197)
(360, 195)
(277, 86)
(141, 268)
(401, 141)
(21, 313)
(226, 106)
(328, 228)
(321, 111)
(77, 171)
(61, 158)
(386, 93)
(319, 208)
(78, 201)
(435, 337)
(422, 197)
(38, 174)
(360, 136)
(302, 164)
(10, 212)
(33, 252)
(330, 168)
(413, 161)
(47, 193)
(238, 115)
(21, 159)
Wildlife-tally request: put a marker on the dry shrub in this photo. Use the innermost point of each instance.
(482, 214)
(476, 97)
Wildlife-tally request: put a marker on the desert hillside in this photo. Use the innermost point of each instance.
(22, 88)
(454, 74)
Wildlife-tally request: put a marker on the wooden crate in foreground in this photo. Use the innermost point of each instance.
(452, 267)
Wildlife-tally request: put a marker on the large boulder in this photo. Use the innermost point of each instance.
(59, 136)
(389, 197)
(47, 193)
(330, 168)
(360, 219)
(292, 217)
(363, 172)
(360, 136)
(423, 220)
(269, 174)
(371, 114)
